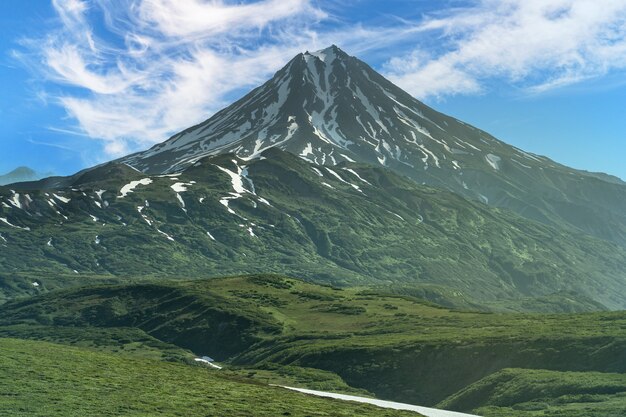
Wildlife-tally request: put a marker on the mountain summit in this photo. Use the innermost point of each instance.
(328, 107)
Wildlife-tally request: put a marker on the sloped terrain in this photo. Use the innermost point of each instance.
(529, 393)
(328, 107)
(329, 173)
(348, 225)
(396, 347)
(45, 379)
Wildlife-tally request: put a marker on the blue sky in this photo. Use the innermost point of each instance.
(85, 81)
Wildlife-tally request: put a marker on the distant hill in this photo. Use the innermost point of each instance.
(21, 174)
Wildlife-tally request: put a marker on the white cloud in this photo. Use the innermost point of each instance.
(162, 65)
(70, 11)
(67, 65)
(159, 66)
(535, 44)
(72, 14)
(193, 17)
(193, 89)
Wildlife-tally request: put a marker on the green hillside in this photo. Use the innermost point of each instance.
(327, 231)
(48, 380)
(354, 226)
(533, 393)
(396, 347)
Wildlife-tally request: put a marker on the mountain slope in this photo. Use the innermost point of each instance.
(529, 393)
(351, 224)
(328, 107)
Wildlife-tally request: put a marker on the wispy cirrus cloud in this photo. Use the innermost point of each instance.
(536, 45)
(201, 18)
(156, 66)
(129, 73)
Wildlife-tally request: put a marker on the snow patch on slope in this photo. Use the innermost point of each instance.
(15, 200)
(130, 187)
(181, 187)
(62, 199)
(5, 221)
(238, 179)
(170, 238)
(353, 172)
(493, 161)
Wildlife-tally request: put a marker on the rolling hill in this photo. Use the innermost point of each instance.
(399, 348)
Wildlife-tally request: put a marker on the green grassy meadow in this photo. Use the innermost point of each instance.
(45, 379)
(271, 329)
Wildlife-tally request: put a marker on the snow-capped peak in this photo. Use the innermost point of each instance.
(326, 55)
(327, 107)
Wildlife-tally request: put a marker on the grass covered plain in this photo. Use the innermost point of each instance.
(45, 379)
(275, 329)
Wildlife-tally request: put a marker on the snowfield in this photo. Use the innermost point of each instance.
(428, 412)
(128, 188)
